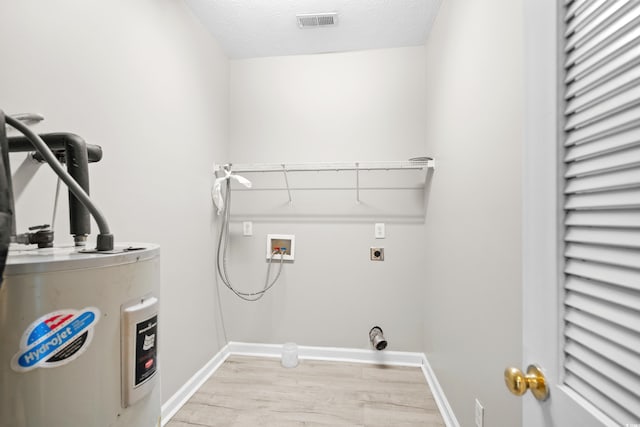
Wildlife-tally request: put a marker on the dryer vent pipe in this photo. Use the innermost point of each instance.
(378, 341)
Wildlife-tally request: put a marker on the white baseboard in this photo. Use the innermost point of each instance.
(449, 417)
(180, 397)
(334, 354)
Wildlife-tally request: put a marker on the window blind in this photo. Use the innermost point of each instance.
(602, 205)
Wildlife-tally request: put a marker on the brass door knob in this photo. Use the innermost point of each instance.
(518, 383)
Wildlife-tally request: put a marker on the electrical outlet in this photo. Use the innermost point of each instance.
(378, 230)
(247, 228)
(376, 254)
(479, 414)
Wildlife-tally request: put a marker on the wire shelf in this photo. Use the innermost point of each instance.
(418, 163)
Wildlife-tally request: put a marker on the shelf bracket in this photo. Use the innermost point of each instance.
(286, 181)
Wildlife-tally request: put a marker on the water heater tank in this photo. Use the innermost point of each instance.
(78, 338)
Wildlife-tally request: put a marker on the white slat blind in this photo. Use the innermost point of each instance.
(602, 205)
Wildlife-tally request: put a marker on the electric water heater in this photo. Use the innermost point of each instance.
(79, 338)
(78, 326)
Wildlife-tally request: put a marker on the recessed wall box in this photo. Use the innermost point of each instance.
(278, 242)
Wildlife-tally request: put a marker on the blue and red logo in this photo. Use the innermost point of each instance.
(55, 339)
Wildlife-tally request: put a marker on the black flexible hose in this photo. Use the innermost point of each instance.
(77, 154)
(105, 238)
(6, 197)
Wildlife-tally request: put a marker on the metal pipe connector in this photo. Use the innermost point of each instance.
(378, 341)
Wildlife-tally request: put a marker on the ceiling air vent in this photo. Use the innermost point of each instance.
(315, 20)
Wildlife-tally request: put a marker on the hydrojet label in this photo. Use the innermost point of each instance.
(55, 339)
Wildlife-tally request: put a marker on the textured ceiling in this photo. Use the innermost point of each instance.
(254, 28)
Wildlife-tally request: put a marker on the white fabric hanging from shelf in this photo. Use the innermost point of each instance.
(216, 191)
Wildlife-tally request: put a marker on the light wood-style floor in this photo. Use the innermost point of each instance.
(252, 391)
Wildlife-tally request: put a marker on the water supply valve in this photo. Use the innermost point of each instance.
(43, 237)
(281, 246)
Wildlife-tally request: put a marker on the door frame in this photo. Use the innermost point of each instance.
(540, 198)
(542, 218)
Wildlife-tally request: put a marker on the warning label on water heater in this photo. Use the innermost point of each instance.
(55, 339)
(146, 350)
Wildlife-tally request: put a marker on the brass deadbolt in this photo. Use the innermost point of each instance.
(518, 383)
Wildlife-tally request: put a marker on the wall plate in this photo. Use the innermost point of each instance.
(376, 254)
(247, 228)
(281, 240)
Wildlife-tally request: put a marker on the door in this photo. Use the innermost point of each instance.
(543, 203)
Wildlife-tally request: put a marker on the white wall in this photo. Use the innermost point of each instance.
(147, 83)
(473, 229)
(366, 105)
